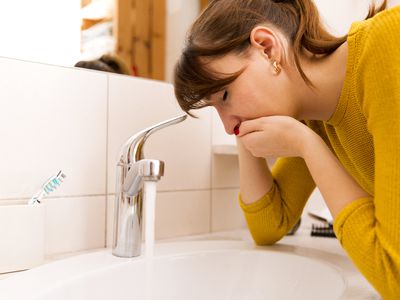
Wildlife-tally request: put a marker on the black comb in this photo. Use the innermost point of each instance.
(322, 230)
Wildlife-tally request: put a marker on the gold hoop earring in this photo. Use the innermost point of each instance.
(277, 67)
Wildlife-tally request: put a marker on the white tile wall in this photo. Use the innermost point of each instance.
(55, 118)
(189, 176)
(315, 203)
(219, 135)
(185, 148)
(51, 118)
(338, 15)
(110, 220)
(182, 213)
(225, 212)
(225, 171)
(177, 214)
(76, 120)
(75, 223)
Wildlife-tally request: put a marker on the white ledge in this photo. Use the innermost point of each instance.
(225, 149)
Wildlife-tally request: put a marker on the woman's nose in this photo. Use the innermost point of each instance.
(228, 121)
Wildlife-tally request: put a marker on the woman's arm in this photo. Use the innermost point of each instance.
(366, 226)
(336, 185)
(272, 201)
(255, 176)
(285, 136)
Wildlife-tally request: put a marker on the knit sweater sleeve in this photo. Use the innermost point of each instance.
(369, 228)
(272, 216)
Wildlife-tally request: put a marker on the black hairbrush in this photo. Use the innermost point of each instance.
(322, 230)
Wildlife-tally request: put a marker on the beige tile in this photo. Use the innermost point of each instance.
(219, 135)
(339, 15)
(182, 213)
(110, 220)
(136, 104)
(22, 231)
(226, 213)
(315, 203)
(75, 224)
(52, 118)
(177, 214)
(225, 171)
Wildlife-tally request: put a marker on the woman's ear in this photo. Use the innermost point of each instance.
(264, 39)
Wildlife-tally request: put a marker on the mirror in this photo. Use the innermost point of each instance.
(45, 31)
(146, 34)
(63, 32)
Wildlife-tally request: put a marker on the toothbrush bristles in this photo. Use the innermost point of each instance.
(54, 182)
(50, 185)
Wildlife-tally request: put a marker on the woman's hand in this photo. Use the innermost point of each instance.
(285, 136)
(274, 136)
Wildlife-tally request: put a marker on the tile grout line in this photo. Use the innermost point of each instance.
(111, 194)
(53, 197)
(106, 166)
(211, 172)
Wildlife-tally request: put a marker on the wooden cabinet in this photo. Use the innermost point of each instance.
(139, 29)
(203, 4)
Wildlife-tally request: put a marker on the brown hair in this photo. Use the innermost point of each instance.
(224, 27)
(107, 62)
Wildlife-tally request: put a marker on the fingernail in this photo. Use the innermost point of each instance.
(236, 129)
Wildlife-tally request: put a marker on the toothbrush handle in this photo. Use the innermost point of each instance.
(36, 198)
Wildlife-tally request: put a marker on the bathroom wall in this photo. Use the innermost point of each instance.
(56, 118)
(225, 212)
(183, 204)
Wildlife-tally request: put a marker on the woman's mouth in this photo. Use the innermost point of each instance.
(236, 129)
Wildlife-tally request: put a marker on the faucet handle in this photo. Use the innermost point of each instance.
(132, 151)
(144, 169)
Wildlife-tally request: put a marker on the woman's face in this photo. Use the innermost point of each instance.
(257, 92)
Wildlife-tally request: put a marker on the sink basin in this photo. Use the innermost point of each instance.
(184, 270)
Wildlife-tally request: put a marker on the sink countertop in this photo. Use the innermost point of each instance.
(321, 248)
(302, 243)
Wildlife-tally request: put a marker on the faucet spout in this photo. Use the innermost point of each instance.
(132, 151)
(132, 170)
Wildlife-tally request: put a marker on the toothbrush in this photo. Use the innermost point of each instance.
(50, 185)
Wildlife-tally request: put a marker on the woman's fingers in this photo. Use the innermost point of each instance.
(273, 136)
(248, 127)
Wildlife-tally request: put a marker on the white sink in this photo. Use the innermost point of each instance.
(184, 270)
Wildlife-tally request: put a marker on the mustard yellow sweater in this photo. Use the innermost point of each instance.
(364, 133)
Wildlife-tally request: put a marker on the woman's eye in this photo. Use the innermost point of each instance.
(225, 96)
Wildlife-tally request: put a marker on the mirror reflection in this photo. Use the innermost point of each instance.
(142, 37)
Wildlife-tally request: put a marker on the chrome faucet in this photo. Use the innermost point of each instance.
(132, 170)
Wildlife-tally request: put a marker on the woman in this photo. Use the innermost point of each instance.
(328, 107)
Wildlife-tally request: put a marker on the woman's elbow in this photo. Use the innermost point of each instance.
(266, 239)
